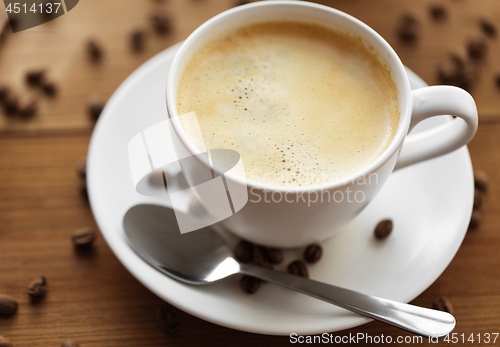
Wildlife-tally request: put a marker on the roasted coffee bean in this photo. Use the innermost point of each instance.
(94, 51)
(241, 3)
(161, 23)
(457, 71)
(84, 238)
(70, 344)
(481, 180)
(443, 304)
(452, 65)
(28, 107)
(8, 306)
(4, 342)
(313, 253)
(477, 48)
(250, 284)
(95, 107)
(167, 319)
(4, 91)
(478, 198)
(38, 288)
(244, 252)
(81, 168)
(274, 255)
(438, 12)
(409, 28)
(11, 104)
(383, 229)
(137, 40)
(48, 87)
(475, 220)
(35, 76)
(298, 268)
(83, 190)
(488, 27)
(260, 256)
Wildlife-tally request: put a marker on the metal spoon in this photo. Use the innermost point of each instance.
(203, 257)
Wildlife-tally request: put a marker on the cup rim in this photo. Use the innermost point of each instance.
(405, 91)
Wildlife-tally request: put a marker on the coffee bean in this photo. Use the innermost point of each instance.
(250, 284)
(443, 304)
(313, 253)
(241, 3)
(298, 268)
(94, 51)
(48, 87)
(70, 344)
(35, 76)
(95, 107)
(137, 40)
(38, 288)
(167, 319)
(481, 180)
(409, 28)
(8, 306)
(260, 256)
(438, 12)
(84, 237)
(477, 48)
(244, 252)
(161, 23)
(4, 92)
(488, 27)
(81, 168)
(11, 104)
(383, 229)
(83, 190)
(28, 107)
(475, 220)
(274, 255)
(4, 342)
(457, 71)
(478, 198)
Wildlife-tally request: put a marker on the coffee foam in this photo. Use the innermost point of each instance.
(302, 104)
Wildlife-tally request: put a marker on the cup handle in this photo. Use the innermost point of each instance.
(435, 101)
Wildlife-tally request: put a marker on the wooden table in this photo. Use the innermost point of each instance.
(92, 298)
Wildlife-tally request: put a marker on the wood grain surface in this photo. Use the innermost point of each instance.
(92, 298)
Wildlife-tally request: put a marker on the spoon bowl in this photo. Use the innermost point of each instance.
(193, 257)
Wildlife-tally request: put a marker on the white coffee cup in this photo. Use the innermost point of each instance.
(296, 219)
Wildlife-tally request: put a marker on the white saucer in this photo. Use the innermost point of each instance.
(430, 205)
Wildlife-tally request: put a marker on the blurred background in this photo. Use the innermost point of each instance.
(86, 54)
(60, 46)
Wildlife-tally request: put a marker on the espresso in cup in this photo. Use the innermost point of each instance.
(301, 103)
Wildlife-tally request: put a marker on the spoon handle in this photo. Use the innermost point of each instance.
(418, 320)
